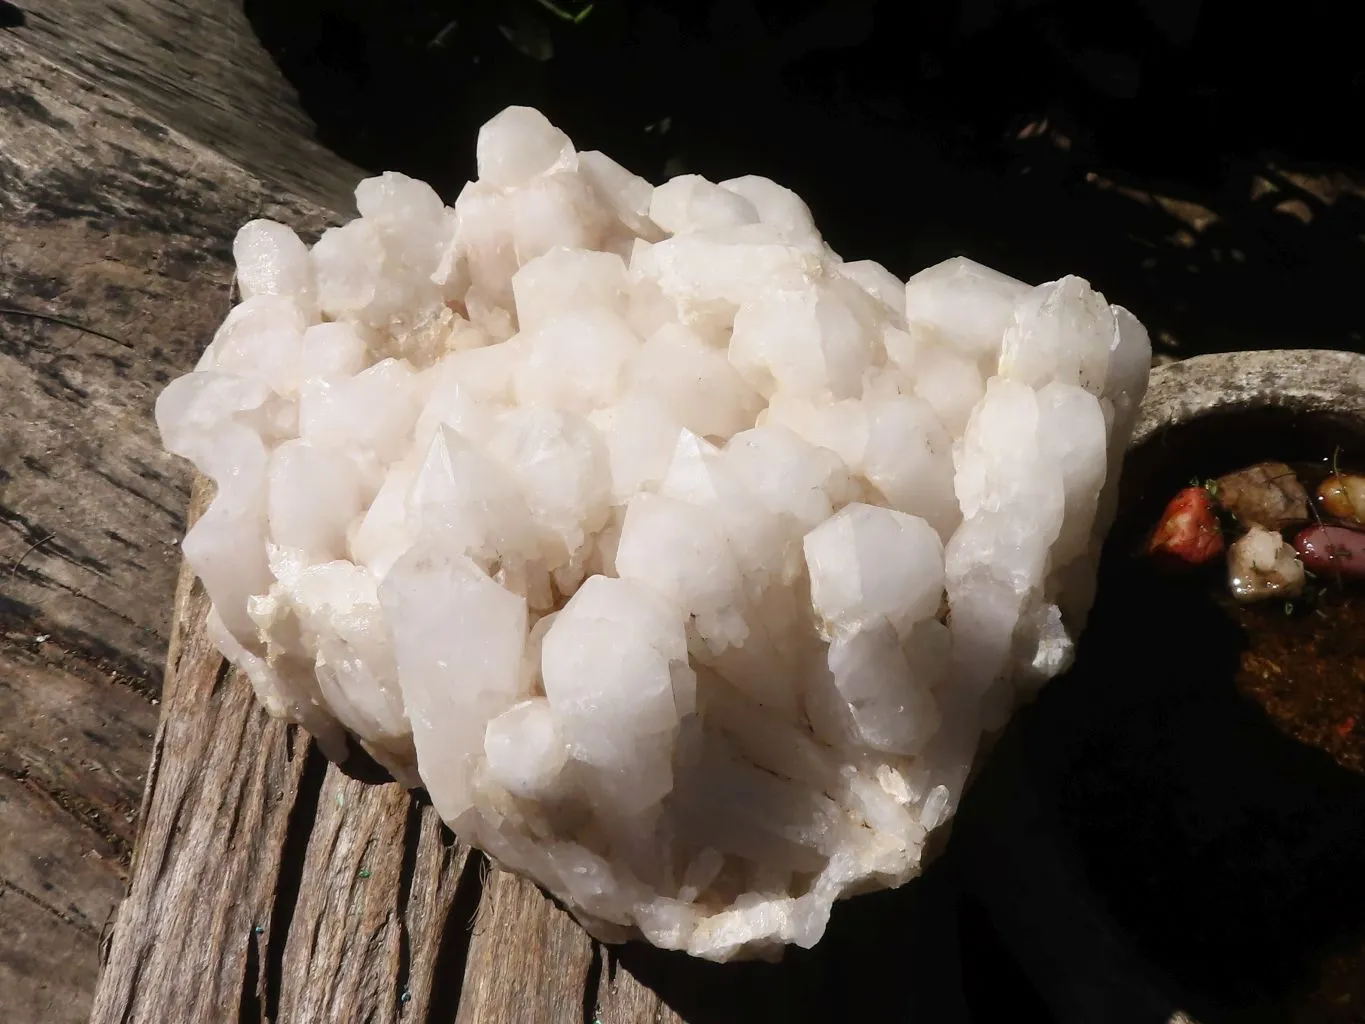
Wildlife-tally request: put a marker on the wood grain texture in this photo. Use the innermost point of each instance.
(553, 981)
(32, 990)
(114, 222)
(379, 888)
(193, 66)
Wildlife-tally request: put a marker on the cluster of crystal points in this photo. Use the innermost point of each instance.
(684, 563)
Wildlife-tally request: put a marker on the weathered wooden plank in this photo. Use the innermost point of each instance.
(527, 959)
(112, 221)
(34, 961)
(380, 880)
(198, 926)
(73, 738)
(68, 878)
(621, 996)
(194, 66)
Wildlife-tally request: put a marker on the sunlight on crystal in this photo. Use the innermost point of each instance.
(684, 563)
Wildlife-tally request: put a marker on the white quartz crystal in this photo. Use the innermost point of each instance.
(682, 562)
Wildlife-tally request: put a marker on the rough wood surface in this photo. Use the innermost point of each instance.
(194, 66)
(109, 220)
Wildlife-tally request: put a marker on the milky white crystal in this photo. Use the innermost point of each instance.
(684, 563)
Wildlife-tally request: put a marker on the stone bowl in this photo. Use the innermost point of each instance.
(1142, 839)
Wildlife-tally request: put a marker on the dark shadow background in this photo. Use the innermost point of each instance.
(1194, 160)
(1145, 830)
(1201, 163)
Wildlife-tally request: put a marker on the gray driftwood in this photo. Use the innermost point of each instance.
(110, 220)
(193, 66)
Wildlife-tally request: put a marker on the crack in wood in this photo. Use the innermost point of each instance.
(452, 957)
(592, 984)
(7, 886)
(14, 568)
(122, 616)
(86, 651)
(290, 880)
(251, 1010)
(75, 809)
(412, 834)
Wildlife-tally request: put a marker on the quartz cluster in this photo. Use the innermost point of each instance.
(684, 563)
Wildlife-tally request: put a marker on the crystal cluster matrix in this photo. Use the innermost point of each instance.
(684, 563)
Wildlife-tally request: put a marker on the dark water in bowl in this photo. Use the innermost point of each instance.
(1203, 760)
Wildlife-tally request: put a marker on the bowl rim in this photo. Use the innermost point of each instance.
(1308, 380)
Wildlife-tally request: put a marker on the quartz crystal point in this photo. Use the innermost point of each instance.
(682, 562)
